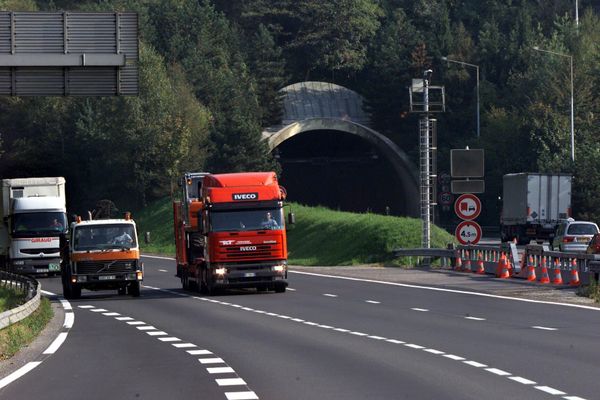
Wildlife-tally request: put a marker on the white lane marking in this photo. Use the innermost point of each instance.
(47, 293)
(135, 322)
(86, 307)
(454, 357)
(522, 380)
(291, 290)
(420, 309)
(572, 398)
(320, 326)
(56, 343)
(66, 305)
(475, 318)
(475, 364)
(329, 295)
(155, 333)
(294, 319)
(230, 381)
(340, 329)
(151, 287)
(111, 314)
(169, 339)
(310, 323)
(162, 270)
(414, 346)
(220, 370)
(19, 373)
(395, 341)
(437, 289)
(359, 334)
(99, 310)
(146, 328)
(376, 337)
(544, 328)
(434, 351)
(241, 396)
(69, 320)
(498, 371)
(159, 257)
(215, 360)
(372, 302)
(549, 390)
(199, 352)
(184, 345)
(124, 319)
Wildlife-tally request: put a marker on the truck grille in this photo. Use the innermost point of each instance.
(234, 252)
(38, 251)
(94, 267)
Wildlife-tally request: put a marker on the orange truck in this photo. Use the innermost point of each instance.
(99, 255)
(230, 232)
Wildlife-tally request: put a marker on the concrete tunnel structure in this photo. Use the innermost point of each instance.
(331, 157)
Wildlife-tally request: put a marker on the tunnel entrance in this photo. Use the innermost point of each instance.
(341, 171)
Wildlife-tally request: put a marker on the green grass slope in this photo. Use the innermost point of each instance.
(320, 236)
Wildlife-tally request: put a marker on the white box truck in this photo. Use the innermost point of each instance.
(533, 205)
(34, 216)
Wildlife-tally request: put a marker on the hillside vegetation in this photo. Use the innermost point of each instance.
(319, 237)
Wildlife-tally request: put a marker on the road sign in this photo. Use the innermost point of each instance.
(467, 206)
(467, 163)
(468, 232)
(468, 186)
(445, 198)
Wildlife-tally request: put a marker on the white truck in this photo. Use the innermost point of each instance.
(34, 216)
(533, 205)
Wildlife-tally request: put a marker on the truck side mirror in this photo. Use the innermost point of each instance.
(291, 218)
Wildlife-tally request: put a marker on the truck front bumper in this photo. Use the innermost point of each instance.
(35, 266)
(107, 281)
(240, 276)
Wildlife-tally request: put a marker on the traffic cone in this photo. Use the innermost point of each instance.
(467, 266)
(544, 278)
(574, 281)
(530, 270)
(480, 268)
(458, 263)
(557, 274)
(504, 267)
(500, 265)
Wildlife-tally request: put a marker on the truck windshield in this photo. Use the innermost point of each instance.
(104, 237)
(246, 220)
(39, 224)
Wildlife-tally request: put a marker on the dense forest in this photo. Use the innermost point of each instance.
(210, 72)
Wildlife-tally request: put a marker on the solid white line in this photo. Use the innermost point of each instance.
(124, 319)
(420, 309)
(549, 390)
(85, 307)
(19, 373)
(199, 352)
(498, 371)
(241, 396)
(341, 330)
(493, 296)
(296, 320)
(136, 323)
(215, 360)
(69, 320)
(111, 314)
(522, 380)
(323, 326)
(475, 318)
(310, 323)
(162, 270)
(184, 345)
(146, 328)
(372, 302)
(475, 364)
(544, 328)
(329, 295)
(230, 382)
(169, 339)
(56, 343)
(220, 370)
(359, 334)
(155, 333)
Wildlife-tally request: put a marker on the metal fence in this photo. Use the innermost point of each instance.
(22, 284)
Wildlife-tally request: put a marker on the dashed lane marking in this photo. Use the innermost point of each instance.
(162, 270)
(544, 328)
(419, 309)
(329, 295)
(475, 318)
(372, 302)
(549, 390)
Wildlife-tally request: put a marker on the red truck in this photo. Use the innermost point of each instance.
(230, 232)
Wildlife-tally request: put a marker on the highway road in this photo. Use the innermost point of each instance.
(325, 338)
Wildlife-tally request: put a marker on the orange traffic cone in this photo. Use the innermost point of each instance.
(557, 274)
(458, 263)
(500, 265)
(480, 268)
(544, 278)
(530, 270)
(574, 274)
(467, 266)
(504, 272)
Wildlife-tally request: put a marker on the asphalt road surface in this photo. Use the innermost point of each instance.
(325, 338)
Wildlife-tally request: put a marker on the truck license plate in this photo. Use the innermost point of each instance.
(249, 274)
(53, 267)
(106, 277)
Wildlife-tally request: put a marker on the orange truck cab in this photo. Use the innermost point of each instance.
(101, 254)
(230, 232)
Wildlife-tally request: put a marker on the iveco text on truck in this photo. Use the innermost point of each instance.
(533, 205)
(230, 232)
(34, 216)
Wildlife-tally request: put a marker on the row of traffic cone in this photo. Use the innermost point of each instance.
(467, 266)
(557, 280)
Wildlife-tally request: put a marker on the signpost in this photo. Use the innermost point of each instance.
(468, 232)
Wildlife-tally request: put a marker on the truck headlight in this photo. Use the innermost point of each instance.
(278, 268)
(221, 271)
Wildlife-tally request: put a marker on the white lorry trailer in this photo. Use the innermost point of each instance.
(34, 216)
(533, 205)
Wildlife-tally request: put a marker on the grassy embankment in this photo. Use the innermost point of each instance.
(20, 334)
(319, 237)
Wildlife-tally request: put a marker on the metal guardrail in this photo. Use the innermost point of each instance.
(25, 285)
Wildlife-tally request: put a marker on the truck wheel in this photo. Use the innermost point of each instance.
(135, 289)
(185, 283)
(75, 291)
(280, 288)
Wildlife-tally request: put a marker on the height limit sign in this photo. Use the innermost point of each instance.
(468, 207)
